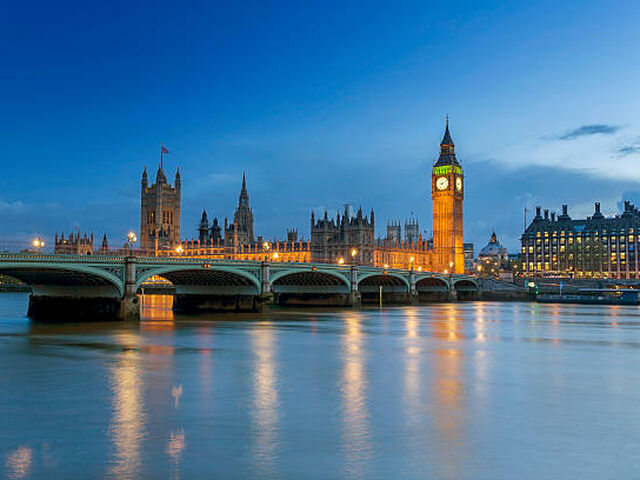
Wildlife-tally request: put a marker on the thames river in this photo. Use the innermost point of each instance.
(444, 391)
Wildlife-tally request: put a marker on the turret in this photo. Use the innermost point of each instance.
(177, 182)
(145, 178)
(104, 248)
(160, 176)
(204, 227)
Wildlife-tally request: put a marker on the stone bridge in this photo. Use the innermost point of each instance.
(107, 287)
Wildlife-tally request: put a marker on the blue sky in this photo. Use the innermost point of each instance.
(339, 102)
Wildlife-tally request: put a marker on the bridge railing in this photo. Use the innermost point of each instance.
(64, 258)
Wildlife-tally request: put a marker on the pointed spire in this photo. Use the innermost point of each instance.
(177, 182)
(243, 201)
(204, 220)
(447, 149)
(446, 139)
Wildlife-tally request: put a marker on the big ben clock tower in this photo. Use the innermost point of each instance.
(447, 195)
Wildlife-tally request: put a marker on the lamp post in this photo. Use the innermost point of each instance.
(131, 238)
(354, 256)
(179, 249)
(38, 243)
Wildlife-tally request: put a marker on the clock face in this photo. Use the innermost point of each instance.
(442, 183)
(459, 184)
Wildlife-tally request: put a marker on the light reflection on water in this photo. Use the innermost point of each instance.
(470, 390)
(265, 409)
(356, 435)
(127, 429)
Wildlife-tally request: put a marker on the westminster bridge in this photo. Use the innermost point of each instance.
(107, 287)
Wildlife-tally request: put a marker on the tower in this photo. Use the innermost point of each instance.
(203, 230)
(447, 195)
(159, 210)
(243, 216)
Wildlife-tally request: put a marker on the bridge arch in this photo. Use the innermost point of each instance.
(44, 278)
(309, 277)
(432, 289)
(309, 287)
(432, 283)
(389, 278)
(466, 289)
(199, 276)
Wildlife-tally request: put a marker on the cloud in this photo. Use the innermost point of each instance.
(588, 130)
(12, 207)
(629, 149)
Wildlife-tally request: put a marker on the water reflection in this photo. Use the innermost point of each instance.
(265, 413)
(448, 390)
(127, 429)
(156, 311)
(18, 462)
(413, 394)
(175, 446)
(356, 436)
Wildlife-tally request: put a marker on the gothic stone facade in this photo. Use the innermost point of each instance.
(334, 239)
(159, 213)
(342, 237)
(74, 244)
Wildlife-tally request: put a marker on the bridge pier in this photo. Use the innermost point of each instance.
(355, 298)
(453, 295)
(414, 298)
(266, 298)
(130, 303)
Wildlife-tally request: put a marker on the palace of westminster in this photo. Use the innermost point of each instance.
(597, 247)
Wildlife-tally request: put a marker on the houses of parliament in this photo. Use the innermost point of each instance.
(347, 238)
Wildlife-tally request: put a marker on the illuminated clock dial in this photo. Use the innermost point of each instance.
(459, 184)
(442, 183)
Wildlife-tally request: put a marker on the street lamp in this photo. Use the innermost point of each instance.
(38, 243)
(341, 261)
(354, 254)
(131, 238)
(275, 255)
(179, 249)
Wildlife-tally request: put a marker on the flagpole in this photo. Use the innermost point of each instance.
(161, 156)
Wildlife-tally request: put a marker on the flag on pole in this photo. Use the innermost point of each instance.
(164, 150)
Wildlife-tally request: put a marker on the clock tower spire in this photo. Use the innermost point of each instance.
(447, 195)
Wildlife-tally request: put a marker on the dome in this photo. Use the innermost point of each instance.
(493, 249)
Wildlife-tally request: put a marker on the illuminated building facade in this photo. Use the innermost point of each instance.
(447, 193)
(595, 247)
(349, 238)
(346, 238)
(74, 244)
(159, 212)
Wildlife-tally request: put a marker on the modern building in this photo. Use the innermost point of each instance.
(159, 212)
(469, 256)
(593, 247)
